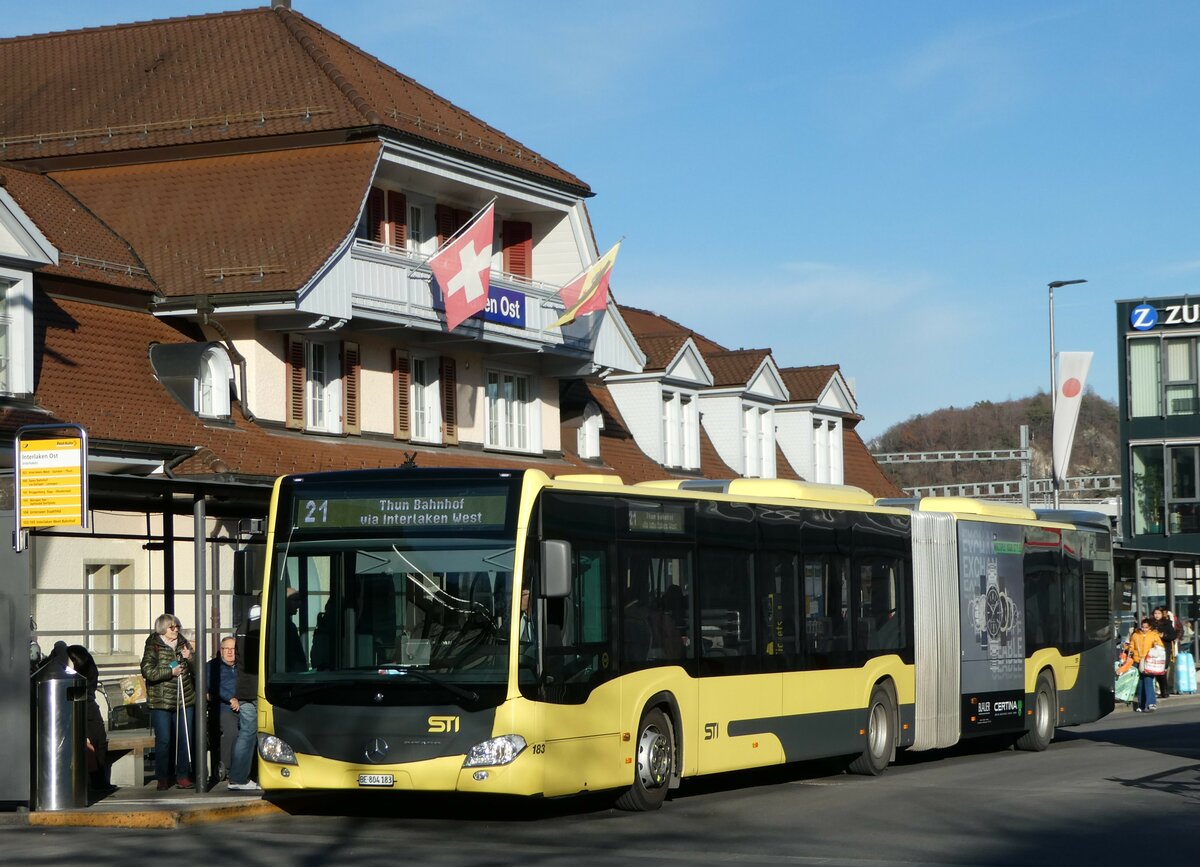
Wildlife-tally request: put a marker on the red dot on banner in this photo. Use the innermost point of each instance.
(1071, 387)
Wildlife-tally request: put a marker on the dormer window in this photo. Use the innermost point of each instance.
(16, 333)
(587, 442)
(212, 383)
(198, 375)
(681, 430)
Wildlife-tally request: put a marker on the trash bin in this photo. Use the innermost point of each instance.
(59, 734)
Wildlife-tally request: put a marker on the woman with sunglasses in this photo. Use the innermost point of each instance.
(1140, 644)
(171, 693)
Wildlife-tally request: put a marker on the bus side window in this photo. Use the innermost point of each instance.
(826, 619)
(880, 623)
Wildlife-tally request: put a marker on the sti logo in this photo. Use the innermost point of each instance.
(1144, 317)
(443, 724)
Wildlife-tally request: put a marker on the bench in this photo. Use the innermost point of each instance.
(126, 755)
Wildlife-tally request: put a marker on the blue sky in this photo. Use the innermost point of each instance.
(886, 186)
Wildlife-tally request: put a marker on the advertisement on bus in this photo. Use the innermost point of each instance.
(992, 600)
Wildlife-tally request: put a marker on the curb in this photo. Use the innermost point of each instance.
(154, 819)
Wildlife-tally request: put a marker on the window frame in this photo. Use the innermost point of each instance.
(329, 385)
(16, 378)
(498, 418)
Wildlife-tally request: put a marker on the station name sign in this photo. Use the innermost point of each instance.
(476, 511)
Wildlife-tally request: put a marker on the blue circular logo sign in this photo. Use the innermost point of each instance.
(1144, 317)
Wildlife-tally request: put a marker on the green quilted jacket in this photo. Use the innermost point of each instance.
(162, 692)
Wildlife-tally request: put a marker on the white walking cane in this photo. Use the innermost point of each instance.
(181, 719)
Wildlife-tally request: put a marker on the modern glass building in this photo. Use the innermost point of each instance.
(1160, 453)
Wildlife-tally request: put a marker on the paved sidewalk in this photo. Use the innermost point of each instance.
(146, 807)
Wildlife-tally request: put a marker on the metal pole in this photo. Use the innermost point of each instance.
(1052, 285)
(1025, 471)
(1053, 401)
(200, 762)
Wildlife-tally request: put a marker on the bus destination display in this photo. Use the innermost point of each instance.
(424, 511)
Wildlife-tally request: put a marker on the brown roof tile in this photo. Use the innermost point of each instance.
(734, 367)
(282, 209)
(711, 464)
(805, 384)
(661, 349)
(860, 468)
(647, 323)
(783, 467)
(223, 77)
(88, 249)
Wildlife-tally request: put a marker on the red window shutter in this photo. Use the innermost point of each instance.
(375, 215)
(351, 374)
(517, 238)
(449, 402)
(397, 206)
(444, 217)
(293, 356)
(401, 383)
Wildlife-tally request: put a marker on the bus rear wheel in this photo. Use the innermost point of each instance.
(655, 764)
(1045, 717)
(881, 734)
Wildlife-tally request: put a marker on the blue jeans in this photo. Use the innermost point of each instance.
(1146, 695)
(170, 739)
(243, 747)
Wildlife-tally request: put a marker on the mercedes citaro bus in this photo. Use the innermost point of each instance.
(506, 632)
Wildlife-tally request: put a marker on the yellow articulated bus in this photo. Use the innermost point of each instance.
(509, 633)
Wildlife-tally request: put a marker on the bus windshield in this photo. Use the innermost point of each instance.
(434, 609)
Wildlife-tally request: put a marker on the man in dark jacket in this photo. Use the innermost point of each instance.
(223, 718)
(244, 703)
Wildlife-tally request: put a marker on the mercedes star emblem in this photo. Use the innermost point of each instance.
(376, 750)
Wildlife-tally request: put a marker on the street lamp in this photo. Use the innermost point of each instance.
(1056, 284)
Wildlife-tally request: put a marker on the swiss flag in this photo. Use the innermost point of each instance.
(463, 268)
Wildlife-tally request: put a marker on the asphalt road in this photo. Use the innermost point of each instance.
(1096, 796)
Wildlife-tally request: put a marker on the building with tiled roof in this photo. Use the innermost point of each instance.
(214, 243)
(214, 234)
(794, 423)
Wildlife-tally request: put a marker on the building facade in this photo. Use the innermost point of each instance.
(1159, 404)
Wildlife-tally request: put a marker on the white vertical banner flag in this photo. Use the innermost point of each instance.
(1072, 376)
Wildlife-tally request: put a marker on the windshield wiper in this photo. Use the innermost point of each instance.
(426, 677)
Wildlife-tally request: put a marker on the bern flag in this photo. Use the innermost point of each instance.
(1072, 375)
(463, 268)
(588, 293)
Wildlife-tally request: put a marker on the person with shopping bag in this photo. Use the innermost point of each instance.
(1148, 654)
(171, 693)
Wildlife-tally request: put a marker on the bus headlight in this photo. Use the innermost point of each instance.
(496, 751)
(277, 750)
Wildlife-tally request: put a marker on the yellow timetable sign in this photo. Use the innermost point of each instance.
(51, 481)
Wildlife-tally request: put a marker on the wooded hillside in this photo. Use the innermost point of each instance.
(988, 425)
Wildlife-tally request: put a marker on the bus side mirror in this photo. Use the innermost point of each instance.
(556, 568)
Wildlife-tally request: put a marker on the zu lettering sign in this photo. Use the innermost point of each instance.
(1144, 317)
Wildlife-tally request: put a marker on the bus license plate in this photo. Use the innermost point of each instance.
(376, 780)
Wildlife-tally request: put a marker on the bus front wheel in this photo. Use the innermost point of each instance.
(881, 735)
(655, 763)
(1045, 717)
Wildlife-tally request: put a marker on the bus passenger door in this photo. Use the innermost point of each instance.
(739, 700)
